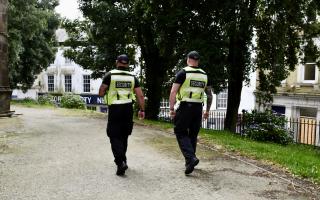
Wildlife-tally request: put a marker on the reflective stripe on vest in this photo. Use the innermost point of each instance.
(120, 88)
(192, 89)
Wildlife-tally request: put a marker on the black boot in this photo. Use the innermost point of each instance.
(191, 164)
(121, 169)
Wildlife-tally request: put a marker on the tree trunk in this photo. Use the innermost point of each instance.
(235, 80)
(5, 92)
(239, 58)
(154, 82)
(234, 98)
(154, 68)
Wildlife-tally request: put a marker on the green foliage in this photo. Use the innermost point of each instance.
(72, 101)
(266, 126)
(45, 100)
(222, 31)
(27, 101)
(285, 30)
(31, 29)
(163, 30)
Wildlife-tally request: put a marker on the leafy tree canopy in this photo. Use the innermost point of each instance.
(162, 31)
(285, 33)
(31, 29)
(222, 31)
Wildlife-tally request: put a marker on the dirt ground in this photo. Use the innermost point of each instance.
(58, 154)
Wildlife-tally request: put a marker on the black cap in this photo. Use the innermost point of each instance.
(193, 55)
(123, 58)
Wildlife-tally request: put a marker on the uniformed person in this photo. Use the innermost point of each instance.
(118, 88)
(189, 87)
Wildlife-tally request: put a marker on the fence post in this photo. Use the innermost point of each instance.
(317, 138)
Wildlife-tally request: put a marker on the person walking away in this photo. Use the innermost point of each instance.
(189, 87)
(118, 88)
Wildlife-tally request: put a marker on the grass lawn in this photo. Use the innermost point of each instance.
(30, 103)
(301, 160)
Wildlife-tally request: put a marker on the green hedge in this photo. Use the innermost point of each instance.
(266, 126)
(72, 101)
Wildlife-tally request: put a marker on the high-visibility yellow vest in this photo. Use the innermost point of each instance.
(121, 88)
(192, 89)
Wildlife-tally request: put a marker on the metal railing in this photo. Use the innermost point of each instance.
(305, 130)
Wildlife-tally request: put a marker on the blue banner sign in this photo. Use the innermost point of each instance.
(89, 99)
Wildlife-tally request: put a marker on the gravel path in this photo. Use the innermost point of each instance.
(55, 154)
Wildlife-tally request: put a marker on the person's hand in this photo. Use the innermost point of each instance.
(205, 115)
(141, 114)
(172, 114)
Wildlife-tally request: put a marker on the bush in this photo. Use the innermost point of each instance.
(28, 100)
(72, 101)
(266, 126)
(45, 100)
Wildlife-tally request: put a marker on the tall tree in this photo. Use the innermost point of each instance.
(278, 25)
(159, 33)
(239, 27)
(31, 27)
(163, 31)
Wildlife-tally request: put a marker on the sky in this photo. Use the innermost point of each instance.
(68, 9)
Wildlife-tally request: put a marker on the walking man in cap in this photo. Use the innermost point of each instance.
(189, 87)
(118, 88)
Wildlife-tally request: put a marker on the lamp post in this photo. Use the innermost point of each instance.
(5, 91)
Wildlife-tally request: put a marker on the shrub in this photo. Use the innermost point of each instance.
(45, 100)
(72, 101)
(28, 100)
(266, 126)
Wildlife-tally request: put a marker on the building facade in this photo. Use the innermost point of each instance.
(298, 99)
(64, 76)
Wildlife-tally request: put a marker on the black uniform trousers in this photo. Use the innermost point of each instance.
(119, 128)
(187, 123)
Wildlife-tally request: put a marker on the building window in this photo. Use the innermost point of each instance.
(164, 103)
(67, 83)
(67, 61)
(50, 83)
(309, 72)
(222, 99)
(86, 83)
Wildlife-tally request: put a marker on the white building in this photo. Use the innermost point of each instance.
(63, 76)
(247, 102)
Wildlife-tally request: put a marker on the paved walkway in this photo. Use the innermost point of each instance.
(55, 154)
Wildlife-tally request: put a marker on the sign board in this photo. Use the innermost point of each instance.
(89, 99)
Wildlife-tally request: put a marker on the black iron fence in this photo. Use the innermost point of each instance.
(305, 130)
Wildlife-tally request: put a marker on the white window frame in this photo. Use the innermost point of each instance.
(50, 83)
(68, 83)
(222, 96)
(303, 73)
(86, 85)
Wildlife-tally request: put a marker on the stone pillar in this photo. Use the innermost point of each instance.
(5, 91)
(290, 115)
